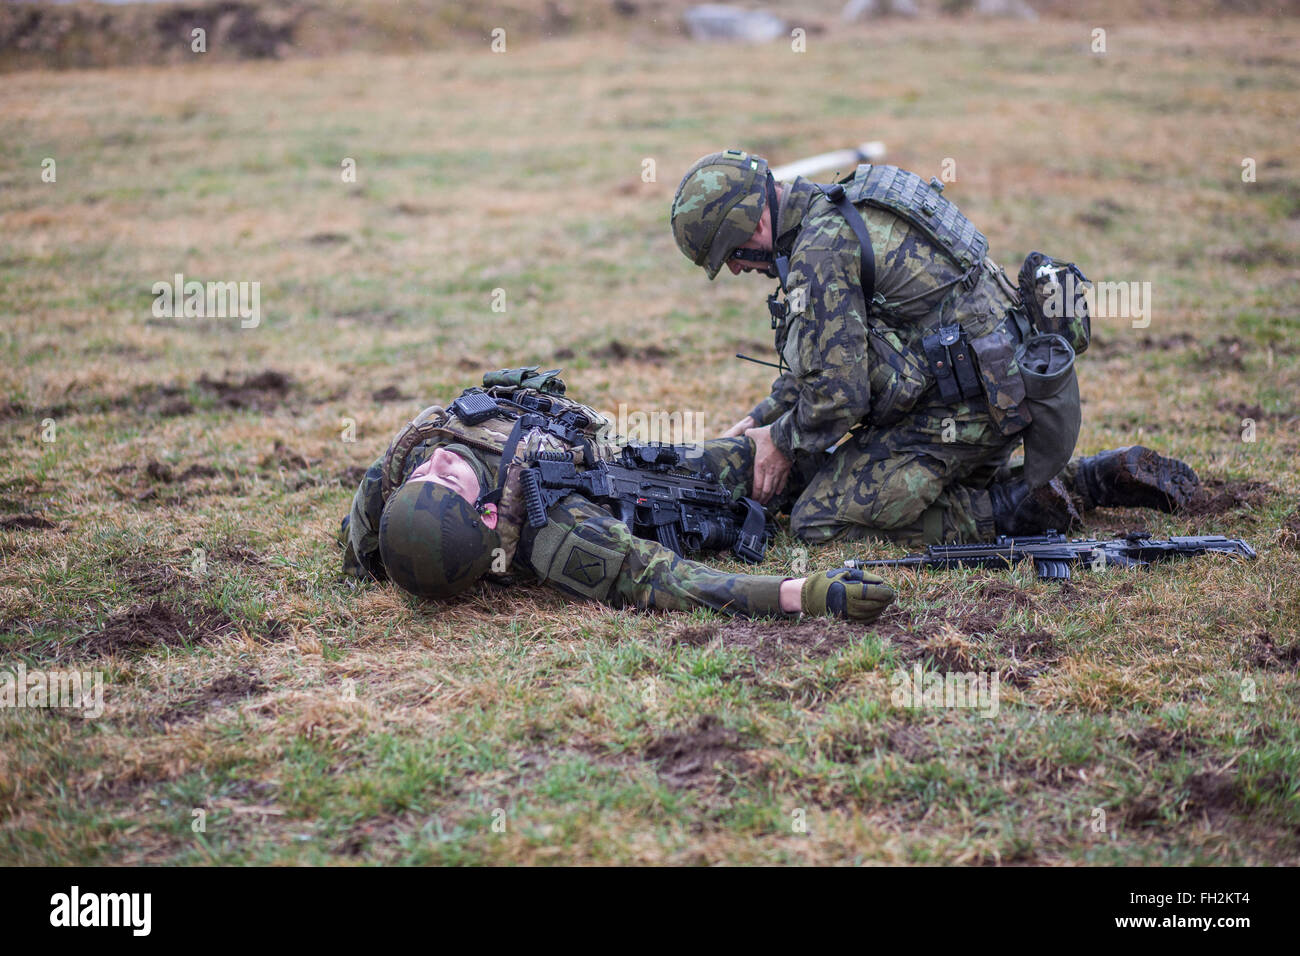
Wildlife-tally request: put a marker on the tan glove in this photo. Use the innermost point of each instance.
(846, 592)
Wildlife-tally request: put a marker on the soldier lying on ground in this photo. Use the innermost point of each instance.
(437, 512)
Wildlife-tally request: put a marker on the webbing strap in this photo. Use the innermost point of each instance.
(836, 197)
(779, 259)
(522, 423)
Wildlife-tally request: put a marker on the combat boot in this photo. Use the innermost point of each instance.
(1133, 477)
(1019, 509)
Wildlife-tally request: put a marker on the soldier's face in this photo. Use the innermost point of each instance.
(737, 266)
(450, 470)
(761, 239)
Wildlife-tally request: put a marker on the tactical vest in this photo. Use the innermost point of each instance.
(1028, 380)
(908, 196)
(509, 421)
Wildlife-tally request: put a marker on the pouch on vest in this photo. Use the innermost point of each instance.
(1004, 387)
(1053, 295)
(948, 350)
(1052, 394)
(898, 379)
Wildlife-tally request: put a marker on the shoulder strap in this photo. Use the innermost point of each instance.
(836, 197)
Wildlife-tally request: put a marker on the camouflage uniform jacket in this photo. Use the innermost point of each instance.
(849, 363)
(583, 550)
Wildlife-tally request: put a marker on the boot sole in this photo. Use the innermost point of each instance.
(1150, 480)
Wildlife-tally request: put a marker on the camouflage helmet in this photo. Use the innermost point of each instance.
(718, 206)
(432, 541)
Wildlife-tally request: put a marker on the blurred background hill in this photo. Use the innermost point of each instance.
(61, 35)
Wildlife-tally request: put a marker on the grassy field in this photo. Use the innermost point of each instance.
(177, 532)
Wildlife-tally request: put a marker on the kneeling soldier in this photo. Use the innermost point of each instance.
(911, 365)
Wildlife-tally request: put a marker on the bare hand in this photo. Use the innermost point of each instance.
(738, 429)
(792, 595)
(771, 468)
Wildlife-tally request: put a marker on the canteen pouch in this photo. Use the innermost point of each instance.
(1052, 394)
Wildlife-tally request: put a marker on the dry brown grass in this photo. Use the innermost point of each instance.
(522, 172)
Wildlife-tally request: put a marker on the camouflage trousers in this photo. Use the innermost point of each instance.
(923, 480)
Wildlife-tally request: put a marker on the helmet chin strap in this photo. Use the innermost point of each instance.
(782, 262)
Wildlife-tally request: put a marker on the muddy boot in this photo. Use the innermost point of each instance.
(1018, 509)
(1134, 477)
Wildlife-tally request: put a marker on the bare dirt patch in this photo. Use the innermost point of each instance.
(282, 456)
(26, 522)
(1212, 794)
(221, 692)
(1240, 410)
(390, 393)
(146, 577)
(912, 743)
(1108, 348)
(1031, 654)
(1289, 535)
(1226, 352)
(617, 351)
(237, 554)
(946, 650)
(1163, 744)
(167, 475)
(968, 632)
(1142, 812)
(993, 602)
(160, 401)
(1265, 652)
(687, 758)
(156, 481)
(264, 391)
(909, 741)
(1217, 497)
(149, 626)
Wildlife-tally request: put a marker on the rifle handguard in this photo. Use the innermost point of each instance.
(533, 502)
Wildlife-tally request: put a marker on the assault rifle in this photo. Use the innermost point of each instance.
(651, 491)
(1053, 553)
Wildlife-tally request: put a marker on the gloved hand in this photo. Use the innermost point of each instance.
(846, 592)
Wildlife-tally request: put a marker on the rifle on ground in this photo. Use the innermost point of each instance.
(654, 493)
(1053, 553)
